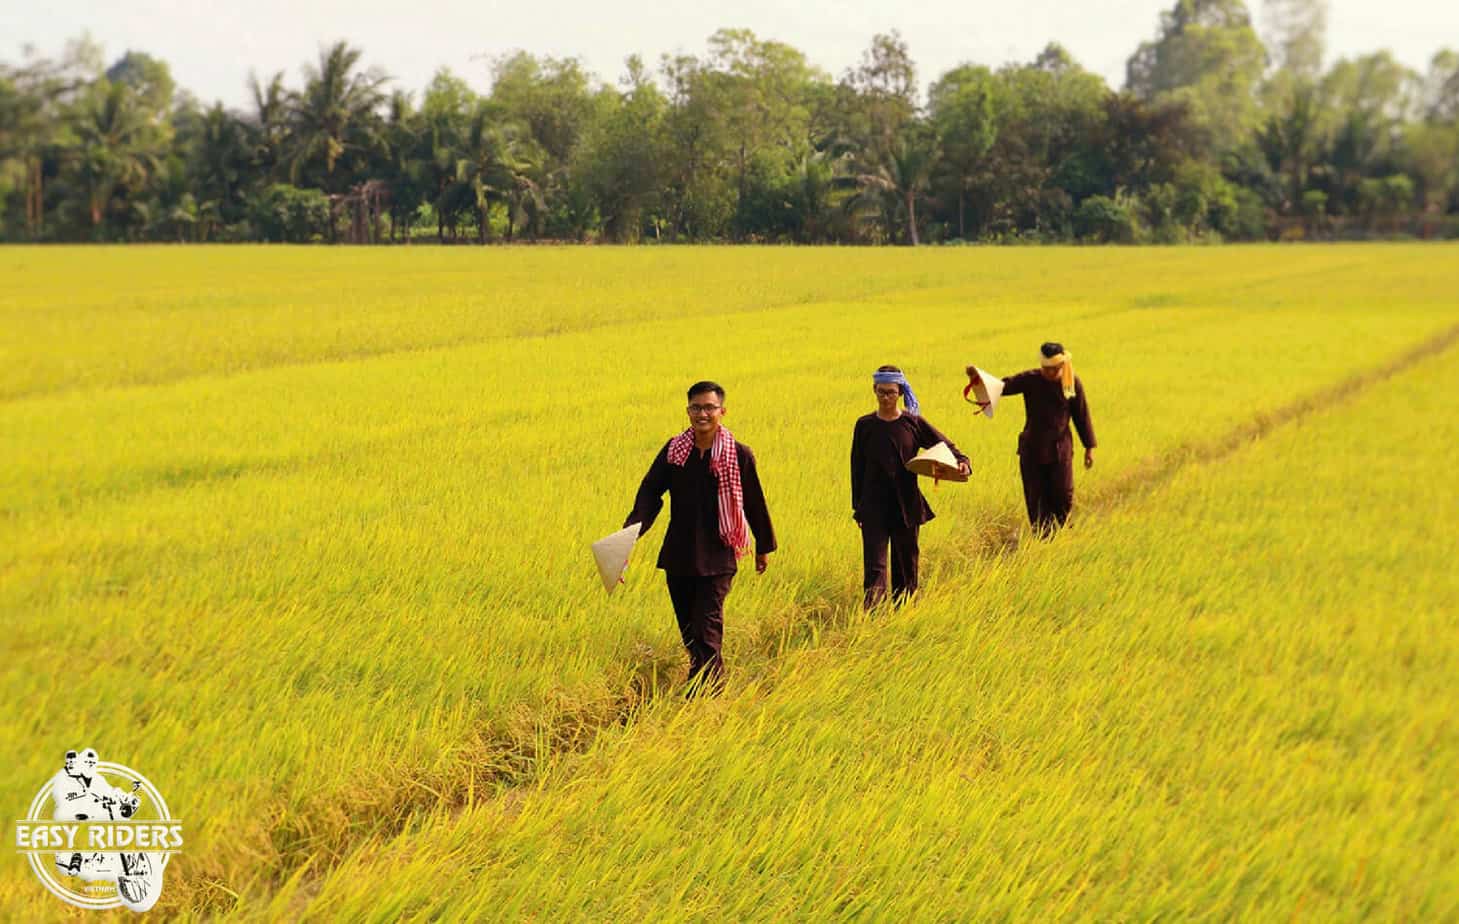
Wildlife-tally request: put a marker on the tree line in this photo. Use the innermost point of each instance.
(1215, 135)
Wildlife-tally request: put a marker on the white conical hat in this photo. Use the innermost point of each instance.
(611, 553)
(937, 462)
(988, 388)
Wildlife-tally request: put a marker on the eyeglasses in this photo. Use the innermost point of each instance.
(704, 409)
(889, 392)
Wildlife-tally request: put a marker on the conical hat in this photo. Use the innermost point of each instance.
(937, 462)
(988, 388)
(611, 553)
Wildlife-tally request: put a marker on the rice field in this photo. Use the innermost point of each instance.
(302, 533)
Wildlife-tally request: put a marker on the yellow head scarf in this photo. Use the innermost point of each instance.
(1065, 362)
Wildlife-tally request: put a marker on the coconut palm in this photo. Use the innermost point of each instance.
(118, 146)
(1291, 139)
(335, 115)
(221, 161)
(404, 170)
(818, 185)
(896, 177)
(270, 122)
(495, 166)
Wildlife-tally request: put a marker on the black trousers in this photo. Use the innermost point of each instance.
(699, 607)
(1048, 492)
(875, 539)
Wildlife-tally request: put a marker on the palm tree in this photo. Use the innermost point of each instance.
(36, 101)
(526, 201)
(897, 177)
(1291, 140)
(335, 114)
(270, 122)
(117, 144)
(441, 137)
(817, 185)
(221, 160)
(494, 166)
(24, 131)
(405, 169)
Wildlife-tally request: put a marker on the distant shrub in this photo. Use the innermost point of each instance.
(284, 213)
(1102, 219)
(1248, 220)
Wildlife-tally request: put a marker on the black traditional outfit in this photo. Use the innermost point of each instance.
(887, 502)
(698, 563)
(1046, 447)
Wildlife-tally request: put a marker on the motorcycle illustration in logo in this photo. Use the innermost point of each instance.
(108, 838)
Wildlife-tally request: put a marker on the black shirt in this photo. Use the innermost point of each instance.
(692, 545)
(1047, 414)
(883, 491)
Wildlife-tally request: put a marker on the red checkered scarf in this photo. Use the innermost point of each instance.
(724, 462)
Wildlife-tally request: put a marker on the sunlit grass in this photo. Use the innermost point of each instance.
(312, 524)
(1232, 699)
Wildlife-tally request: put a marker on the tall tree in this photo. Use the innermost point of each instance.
(1041, 162)
(149, 79)
(1440, 99)
(1292, 138)
(553, 99)
(1368, 100)
(700, 195)
(219, 162)
(551, 96)
(498, 160)
(336, 114)
(445, 119)
(1433, 157)
(896, 177)
(1296, 36)
(1207, 55)
(402, 172)
(119, 145)
(961, 106)
(627, 155)
(759, 88)
(270, 123)
(36, 102)
(886, 83)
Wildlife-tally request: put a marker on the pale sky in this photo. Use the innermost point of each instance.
(211, 47)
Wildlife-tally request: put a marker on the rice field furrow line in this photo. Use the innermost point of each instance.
(1142, 476)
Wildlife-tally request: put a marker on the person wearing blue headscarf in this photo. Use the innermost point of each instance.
(885, 500)
(891, 375)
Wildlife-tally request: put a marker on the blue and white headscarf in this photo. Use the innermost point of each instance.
(897, 378)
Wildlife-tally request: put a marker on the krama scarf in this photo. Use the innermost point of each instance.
(724, 462)
(1065, 362)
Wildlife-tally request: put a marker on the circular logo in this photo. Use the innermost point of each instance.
(99, 835)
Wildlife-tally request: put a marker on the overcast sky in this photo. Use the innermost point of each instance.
(211, 47)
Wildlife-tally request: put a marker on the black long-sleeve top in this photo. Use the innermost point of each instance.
(1047, 414)
(692, 545)
(883, 491)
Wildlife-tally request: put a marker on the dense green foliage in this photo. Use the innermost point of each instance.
(751, 142)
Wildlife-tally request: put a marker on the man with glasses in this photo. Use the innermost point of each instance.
(715, 503)
(885, 499)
